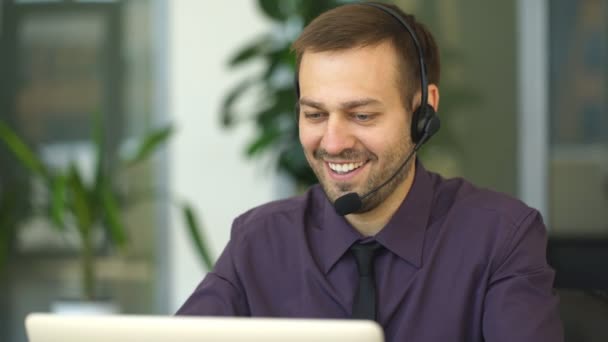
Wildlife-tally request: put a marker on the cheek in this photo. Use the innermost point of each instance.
(385, 141)
(309, 138)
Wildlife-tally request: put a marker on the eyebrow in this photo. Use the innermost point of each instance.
(344, 105)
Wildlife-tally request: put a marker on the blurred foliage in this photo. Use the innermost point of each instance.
(196, 232)
(273, 114)
(276, 128)
(73, 202)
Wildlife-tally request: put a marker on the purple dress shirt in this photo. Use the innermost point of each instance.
(460, 264)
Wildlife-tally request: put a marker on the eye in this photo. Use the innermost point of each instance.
(316, 116)
(361, 117)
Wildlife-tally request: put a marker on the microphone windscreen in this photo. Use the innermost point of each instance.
(348, 204)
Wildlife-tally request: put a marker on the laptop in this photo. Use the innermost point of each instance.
(122, 328)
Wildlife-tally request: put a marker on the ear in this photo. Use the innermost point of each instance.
(433, 99)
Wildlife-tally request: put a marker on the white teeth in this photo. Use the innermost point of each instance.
(344, 168)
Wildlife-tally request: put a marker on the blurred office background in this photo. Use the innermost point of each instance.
(533, 123)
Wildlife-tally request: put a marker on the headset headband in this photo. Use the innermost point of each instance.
(423, 79)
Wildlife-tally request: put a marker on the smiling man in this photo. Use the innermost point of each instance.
(382, 238)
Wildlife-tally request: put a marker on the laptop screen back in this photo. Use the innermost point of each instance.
(123, 328)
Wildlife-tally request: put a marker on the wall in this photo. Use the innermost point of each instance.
(206, 165)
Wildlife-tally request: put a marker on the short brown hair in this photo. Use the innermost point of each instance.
(356, 25)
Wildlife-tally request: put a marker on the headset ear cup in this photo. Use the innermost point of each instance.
(426, 116)
(425, 123)
(417, 123)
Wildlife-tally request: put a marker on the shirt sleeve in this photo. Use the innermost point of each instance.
(521, 304)
(220, 293)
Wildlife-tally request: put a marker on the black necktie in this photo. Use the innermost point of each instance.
(364, 304)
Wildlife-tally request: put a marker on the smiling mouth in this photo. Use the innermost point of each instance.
(345, 168)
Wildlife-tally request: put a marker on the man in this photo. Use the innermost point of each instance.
(446, 261)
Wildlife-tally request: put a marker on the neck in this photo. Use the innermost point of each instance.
(373, 221)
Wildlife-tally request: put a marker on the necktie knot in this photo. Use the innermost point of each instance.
(364, 255)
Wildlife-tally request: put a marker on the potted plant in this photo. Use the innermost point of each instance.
(90, 208)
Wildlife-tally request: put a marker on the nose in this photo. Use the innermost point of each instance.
(338, 136)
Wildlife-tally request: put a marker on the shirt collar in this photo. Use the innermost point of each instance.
(335, 234)
(403, 235)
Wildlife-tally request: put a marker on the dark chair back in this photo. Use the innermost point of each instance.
(581, 278)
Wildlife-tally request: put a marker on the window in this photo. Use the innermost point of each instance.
(578, 187)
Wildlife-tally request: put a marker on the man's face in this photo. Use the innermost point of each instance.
(353, 125)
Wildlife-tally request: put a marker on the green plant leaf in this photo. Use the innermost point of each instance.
(58, 198)
(22, 152)
(196, 236)
(311, 9)
(227, 114)
(115, 226)
(257, 48)
(263, 141)
(281, 111)
(244, 55)
(272, 8)
(281, 57)
(293, 162)
(149, 144)
(80, 202)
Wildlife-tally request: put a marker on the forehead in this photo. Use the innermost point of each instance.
(361, 71)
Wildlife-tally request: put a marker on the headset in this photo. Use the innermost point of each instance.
(425, 122)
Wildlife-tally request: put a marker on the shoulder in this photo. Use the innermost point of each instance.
(462, 198)
(489, 220)
(272, 233)
(272, 217)
(492, 223)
